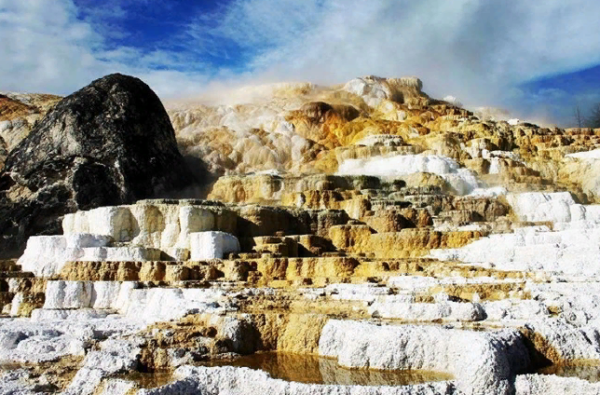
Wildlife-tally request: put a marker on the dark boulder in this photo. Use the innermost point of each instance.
(109, 143)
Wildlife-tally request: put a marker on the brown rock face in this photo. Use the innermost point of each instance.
(11, 109)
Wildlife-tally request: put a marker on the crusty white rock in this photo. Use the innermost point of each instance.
(535, 384)
(45, 256)
(462, 180)
(212, 245)
(114, 356)
(481, 362)
(144, 304)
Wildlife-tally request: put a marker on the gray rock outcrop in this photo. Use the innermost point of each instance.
(109, 143)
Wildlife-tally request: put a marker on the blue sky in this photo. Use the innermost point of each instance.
(556, 96)
(536, 58)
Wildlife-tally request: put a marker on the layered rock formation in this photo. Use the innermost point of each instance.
(18, 114)
(109, 143)
(357, 239)
(305, 129)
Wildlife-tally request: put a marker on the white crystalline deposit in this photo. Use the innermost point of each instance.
(87, 294)
(461, 179)
(499, 160)
(115, 356)
(384, 305)
(476, 147)
(80, 315)
(587, 155)
(515, 310)
(17, 382)
(163, 304)
(160, 226)
(480, 362)
(52, 334)
(578, 300)
(569, 335)
(362, 292)
(497, 165)
(87, 240)
(533, 249)
(410, 311)
(71, 322)
(420, 284)
(68, 295)
(212, 245)
(571, 248)
(570, 343)
(481, 148)
(489, 192)
(373, 90)
(539, 207)
(36, 348)
(116, 222)
(116, 254)
(144, 304)
(412, 283)
(45, 256)
(24, 342)
(536, 384)
(243, 381)
(559, 208)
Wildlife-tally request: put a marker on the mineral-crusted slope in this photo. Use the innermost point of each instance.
(350, 233)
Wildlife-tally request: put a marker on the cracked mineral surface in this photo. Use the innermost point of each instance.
(356, 239)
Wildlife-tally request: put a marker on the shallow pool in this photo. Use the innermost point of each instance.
(308, 369)
(589, 373)
(318, 370)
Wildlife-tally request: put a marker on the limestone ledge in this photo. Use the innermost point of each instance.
(160, 226)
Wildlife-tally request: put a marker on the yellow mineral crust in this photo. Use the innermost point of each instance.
(365, 222)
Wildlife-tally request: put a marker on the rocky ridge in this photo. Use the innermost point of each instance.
(367, 225)
(18, 114)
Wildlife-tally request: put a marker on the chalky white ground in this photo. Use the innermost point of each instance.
(462, 180)
(564, 260)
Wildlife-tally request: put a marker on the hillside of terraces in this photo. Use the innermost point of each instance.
(362, 238)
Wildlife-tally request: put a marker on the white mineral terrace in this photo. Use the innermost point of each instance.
(461, 179)
(571, 247)
(402, 322)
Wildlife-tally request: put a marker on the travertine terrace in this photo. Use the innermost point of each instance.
(367, 224)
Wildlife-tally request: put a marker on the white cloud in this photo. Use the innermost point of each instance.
(45, 47)
(475, 49)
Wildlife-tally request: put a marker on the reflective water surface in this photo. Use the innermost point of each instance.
(150, 380)
(304, 369)
(318, 370)
(585, 372)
